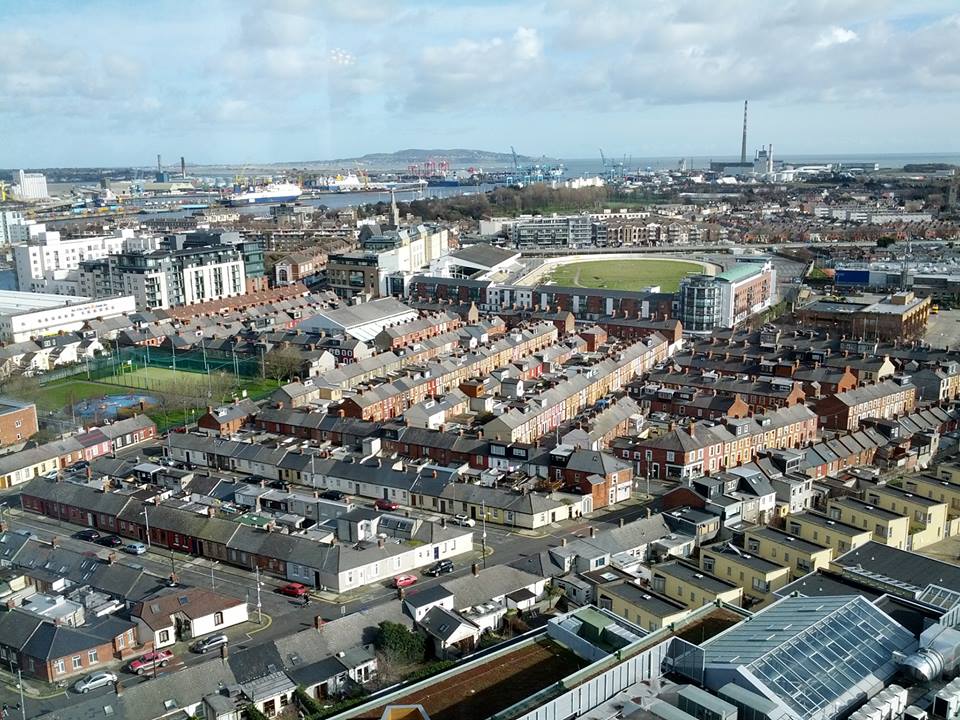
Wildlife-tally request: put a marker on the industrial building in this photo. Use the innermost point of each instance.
(30, 186)
(901, 316)
(363, 321)
(26, 315)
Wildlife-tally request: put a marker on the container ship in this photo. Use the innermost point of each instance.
(272, 193)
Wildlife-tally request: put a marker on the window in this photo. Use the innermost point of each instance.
(59, 667)
(121, 641)
(92, 658)
(77, 662)
(163, 636)
(218, 618)
(708, 563)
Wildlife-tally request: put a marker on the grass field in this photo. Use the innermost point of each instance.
(624, 274)
(184, 391)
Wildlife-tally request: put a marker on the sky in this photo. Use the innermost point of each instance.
(108, 83)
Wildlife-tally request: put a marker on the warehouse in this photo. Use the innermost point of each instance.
(27, 315)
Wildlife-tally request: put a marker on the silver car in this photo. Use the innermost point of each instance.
(209, 643)
(93, 681)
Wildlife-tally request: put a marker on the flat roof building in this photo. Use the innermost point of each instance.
(26, 315)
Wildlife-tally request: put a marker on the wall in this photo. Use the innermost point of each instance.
(231, 616)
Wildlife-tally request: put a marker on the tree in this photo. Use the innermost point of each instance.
(282, 363)
(885, 241)
(398, 644)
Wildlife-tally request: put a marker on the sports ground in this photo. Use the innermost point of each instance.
(632, 274)
(183, 391)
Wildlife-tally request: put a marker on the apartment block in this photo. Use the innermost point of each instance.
(824, 530)
(758, 577)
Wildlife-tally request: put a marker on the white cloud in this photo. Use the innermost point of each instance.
(835, 36)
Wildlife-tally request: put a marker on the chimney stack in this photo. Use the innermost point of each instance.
(743, 142)
(623, 522)
(593, 532)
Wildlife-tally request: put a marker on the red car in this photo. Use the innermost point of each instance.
(402, 581)
(384, 504)
(147, 663)
(294, 590)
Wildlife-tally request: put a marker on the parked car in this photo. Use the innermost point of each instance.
(402, 581)
(81, 465)
(441, 567)
(110, 541)
(150, 661)
(384, 504)
(211, 642)
(464, 521)
(294, 590)
(93, 681)
(135, 548)
(333, 495)
(90, 535)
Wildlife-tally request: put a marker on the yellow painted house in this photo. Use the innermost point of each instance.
(758, 577)
(690, 585)
(889, 528)
(641, 606)
(945, 487)
(819, 528)
(801, 556)
(928, 518)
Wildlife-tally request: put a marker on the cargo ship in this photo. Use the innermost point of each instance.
(272, 193)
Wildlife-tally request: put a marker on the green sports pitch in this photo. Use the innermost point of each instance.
(624, 274)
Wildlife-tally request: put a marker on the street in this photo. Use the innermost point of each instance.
(282, 615)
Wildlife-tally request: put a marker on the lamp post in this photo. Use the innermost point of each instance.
(483, 535)
(259, 611)
(146, 520)
(23, 704)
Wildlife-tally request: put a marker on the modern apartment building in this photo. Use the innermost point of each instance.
(728, 299)
(47, 262)
(165, 278)
(13, 227)
(570, 231)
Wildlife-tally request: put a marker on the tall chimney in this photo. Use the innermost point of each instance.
(183, 168)
(743, 143)
(159, 167)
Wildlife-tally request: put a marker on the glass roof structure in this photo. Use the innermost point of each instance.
(811, 654)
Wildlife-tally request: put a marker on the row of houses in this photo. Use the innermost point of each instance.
(701, 448)
(52, 457)
(338, 567)
(429, 487)
(538, 415)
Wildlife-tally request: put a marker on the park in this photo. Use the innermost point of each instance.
(624, 274)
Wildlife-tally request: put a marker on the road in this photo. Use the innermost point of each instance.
(285, 616)
(943, 330)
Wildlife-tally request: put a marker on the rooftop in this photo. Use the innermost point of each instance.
(13, 302)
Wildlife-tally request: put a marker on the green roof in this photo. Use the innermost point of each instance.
(740, 271)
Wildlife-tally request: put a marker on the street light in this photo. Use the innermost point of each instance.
(146, 519)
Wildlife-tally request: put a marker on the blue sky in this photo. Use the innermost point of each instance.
(114, 83)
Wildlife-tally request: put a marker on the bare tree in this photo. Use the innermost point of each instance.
(282, 363)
